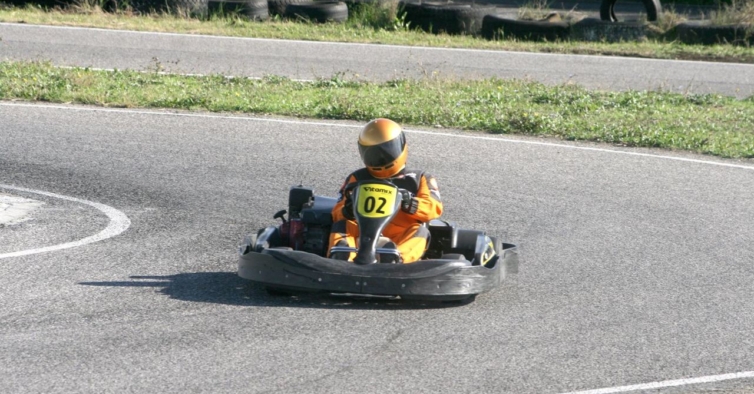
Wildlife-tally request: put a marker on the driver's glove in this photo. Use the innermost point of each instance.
(409, 203)
(347, 209)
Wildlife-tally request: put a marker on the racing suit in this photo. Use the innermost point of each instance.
(405, 229)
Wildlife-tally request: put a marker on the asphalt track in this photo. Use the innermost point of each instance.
(308, 60)
(636, 265)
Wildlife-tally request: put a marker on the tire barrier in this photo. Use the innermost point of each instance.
(351, 4)
(41, 3)
(448, 18)
(593, 29)
(457, 19)
(451, 18)
(318, 12)
(706, 34)
(495, 27)
(277, 7)
(255, 10)
(414, 16)
(607, 10)
(197, 8)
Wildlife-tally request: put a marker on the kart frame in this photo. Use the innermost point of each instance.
(451, 270)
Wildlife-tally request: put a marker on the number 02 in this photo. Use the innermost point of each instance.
(370, 202)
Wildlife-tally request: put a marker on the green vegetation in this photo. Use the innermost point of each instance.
(735, 12)
(707, 124)
(368, 25)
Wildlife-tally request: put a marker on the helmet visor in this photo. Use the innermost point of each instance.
(382, 154)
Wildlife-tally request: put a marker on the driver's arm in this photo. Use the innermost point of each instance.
(337, 211)
(428, 197)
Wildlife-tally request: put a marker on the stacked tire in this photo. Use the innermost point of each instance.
(445, 17)
(593, 29)
(277, 7)
(320, 12)
(256, 10)
(609, 28)
(197, 8)
(702, 33)
(607, 10)
(495, 27)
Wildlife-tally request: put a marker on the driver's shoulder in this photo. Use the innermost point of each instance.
(362, 174)
(413, 173)
(408, 179)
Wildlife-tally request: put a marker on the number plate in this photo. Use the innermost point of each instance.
(376, 200)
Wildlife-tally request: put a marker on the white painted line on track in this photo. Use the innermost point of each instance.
(669, 383)
(451, 135)
(119, 223)
(169, 73)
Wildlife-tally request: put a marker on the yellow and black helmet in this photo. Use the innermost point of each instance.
(383, 148)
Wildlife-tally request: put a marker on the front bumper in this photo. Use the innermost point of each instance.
(438, 279)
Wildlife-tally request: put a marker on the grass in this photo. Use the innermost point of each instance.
(534, 10)
(381, 26)
(707, 124)
(734, 13)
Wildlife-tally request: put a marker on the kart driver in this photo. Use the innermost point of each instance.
(383, 149)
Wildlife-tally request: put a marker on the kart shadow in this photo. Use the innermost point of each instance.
(228, 289)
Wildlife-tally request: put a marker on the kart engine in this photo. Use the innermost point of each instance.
(309, 221)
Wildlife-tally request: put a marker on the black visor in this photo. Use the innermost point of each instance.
(384, 153)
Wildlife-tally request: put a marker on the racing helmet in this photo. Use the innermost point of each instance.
(383, 148)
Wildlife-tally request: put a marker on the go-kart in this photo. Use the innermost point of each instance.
(292, 257)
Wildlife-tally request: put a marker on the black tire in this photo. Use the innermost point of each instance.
(593, 29)
(466, 244)
(706, 34)
(414, 15)
(318, 12)
(466, 241)
(146, 6)
(252, 9)
(353, 4)
(497, 27)
(456, 18)
(180, 7)
(277, 7)
(438, 16)
(607, 10)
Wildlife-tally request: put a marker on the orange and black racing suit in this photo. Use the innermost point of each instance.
(406, 228)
